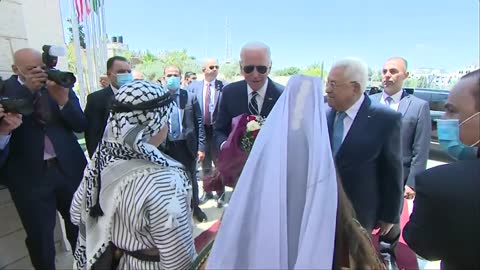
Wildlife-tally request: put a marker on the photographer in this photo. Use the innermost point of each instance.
(41, 161)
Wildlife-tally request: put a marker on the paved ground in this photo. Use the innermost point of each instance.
(64, 259)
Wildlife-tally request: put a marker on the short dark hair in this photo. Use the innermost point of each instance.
(476, 92)
(189, 73)
(112, 60)
(169, 66)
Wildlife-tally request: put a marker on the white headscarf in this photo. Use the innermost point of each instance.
(283, 211)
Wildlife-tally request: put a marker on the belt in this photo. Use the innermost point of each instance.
(149, 255)
(49, 163)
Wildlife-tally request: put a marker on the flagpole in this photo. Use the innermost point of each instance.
(90, 64)
(104, 34)
(78, 56)
(96, 58)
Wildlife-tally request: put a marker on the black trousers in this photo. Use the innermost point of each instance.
(179, 151)
(211, 154)
(37, 207)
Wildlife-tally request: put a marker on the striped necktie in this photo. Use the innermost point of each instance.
(253, 105)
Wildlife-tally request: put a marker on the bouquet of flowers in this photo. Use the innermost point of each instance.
(235, 151)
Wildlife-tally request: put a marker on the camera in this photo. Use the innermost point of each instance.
(23, 106)
(50, 57)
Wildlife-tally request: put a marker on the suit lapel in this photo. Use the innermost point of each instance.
(404, 103)
(218, 89)
(183, 103)
(269, 100)
(361, 120)
(330, 121)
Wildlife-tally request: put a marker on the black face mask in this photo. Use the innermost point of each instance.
(118, 107)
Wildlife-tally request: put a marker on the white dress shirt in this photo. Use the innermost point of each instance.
(260, 97)
(351, 114)
(180, 112)
(395, 97)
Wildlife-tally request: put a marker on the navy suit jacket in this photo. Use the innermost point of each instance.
(96, 112)
(23, 156)
(234, 102)
(196, 88)
(369, 163)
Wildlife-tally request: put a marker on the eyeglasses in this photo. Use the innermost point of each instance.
(333, 85)
(172, 75)
(260, 69)
(194, 78)
(213, 67)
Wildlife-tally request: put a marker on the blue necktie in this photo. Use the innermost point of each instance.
(338, 132)
(175, 120)
(388, 101)
(253, 105)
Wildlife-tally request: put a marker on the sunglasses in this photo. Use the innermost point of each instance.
(194, 78)
(213, 67)
(172, 75)
(260, 69)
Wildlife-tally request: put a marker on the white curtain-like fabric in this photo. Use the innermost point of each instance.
(282, 214)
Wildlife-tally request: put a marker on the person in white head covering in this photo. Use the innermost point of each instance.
(133, 197)
(283, 211)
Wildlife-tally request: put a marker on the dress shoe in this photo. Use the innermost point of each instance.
(222, 202)
(205, 197)
(199, 215)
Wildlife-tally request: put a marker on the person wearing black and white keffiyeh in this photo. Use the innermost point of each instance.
(133, 195)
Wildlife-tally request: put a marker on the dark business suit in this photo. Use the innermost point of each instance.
(38, 187)
(192, 138)
(445, 220)
(369, 162)
(96, 112)
(234, 102)
(196, 88)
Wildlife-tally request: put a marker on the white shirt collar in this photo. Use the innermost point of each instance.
(115, 90)
(212, 83)
(353, 110)
(396, 97)
(20, 80)
(261, 92)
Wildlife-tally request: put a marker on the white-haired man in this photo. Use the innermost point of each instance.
(366, 145)
(255, 95)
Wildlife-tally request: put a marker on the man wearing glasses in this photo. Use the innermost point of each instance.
(208, 92)
(42, 161)
(256, 95)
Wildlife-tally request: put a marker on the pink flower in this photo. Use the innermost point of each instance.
(255, 133)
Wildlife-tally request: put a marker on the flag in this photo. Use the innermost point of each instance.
(83, 8)
(96, 5)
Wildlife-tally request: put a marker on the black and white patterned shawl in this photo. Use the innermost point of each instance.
(126, 138)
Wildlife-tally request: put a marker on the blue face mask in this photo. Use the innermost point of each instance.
(124, 78)
(449, 137)
(173, 83)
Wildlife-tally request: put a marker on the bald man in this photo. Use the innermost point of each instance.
(137, 75)
(416, 136)
(208, 91)
(43, 162)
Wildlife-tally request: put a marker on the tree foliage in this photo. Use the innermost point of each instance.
(289, 71)
(230, 70)
(152, 66)
(81, 34)
(315, 70)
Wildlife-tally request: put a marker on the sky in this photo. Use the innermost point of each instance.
(428, 33)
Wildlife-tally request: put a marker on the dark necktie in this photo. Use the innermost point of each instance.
(42, 115)
(253, 105)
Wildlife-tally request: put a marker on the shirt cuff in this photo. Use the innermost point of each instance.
(4, 139)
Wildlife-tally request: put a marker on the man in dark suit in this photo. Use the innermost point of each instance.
(366, 146)
(256, 95)
(416, 135)
(186, 135)
(446, 213)
(208, 92)
(43, 162)
(96, 110)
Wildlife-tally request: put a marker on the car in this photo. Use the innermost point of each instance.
(436, 99)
